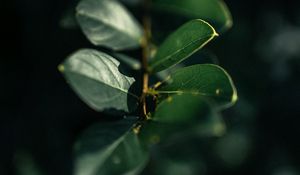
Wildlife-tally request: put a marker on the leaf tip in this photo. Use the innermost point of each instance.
(235, 97)
(61, 68)
(229, 23)
(216, 34)
(136, 129)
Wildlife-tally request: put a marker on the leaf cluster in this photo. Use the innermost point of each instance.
(187, 101)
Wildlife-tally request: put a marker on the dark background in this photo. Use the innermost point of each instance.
(41, 116)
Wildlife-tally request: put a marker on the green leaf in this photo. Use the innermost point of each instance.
(180, 116)
(163, 75)
(201, 57)
(185, 41)
(213, 126)
(214, 11)
(168, 160)
(190, 110)
(68, 19)
(107, 23)
(205, 80)
(100, 81)
(109, 148)
(25, 164)
(131, 62)
(181, 109)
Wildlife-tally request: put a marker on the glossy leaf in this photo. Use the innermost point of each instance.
(109, 148)
(214, 11)
(107, 23)
(205, 80)
(100, 81)
(180, 116)
(185, 41)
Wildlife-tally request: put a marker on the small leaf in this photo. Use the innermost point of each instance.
(25, 164)
(188, 39)
(214, 11)
(180, 116)
(96, 77)
(131, 62)
(107, 23)
(205, 80)
(109, 148)
(68, 19)
(213, 126)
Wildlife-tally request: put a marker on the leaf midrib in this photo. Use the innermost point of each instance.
(194, 93)
(100, 82)
(113, 147)
(83, 13)
(179, 50)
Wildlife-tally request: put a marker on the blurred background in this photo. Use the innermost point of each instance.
(41, 117)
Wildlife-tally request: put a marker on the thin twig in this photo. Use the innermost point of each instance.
(146, 54)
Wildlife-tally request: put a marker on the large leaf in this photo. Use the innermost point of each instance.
(180, 116)
(107, 23)
(205, 80)
(213, 11)
(109, 149)
(100, 81)
(185, 41)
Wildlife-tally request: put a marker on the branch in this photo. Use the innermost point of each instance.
(146, 53)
